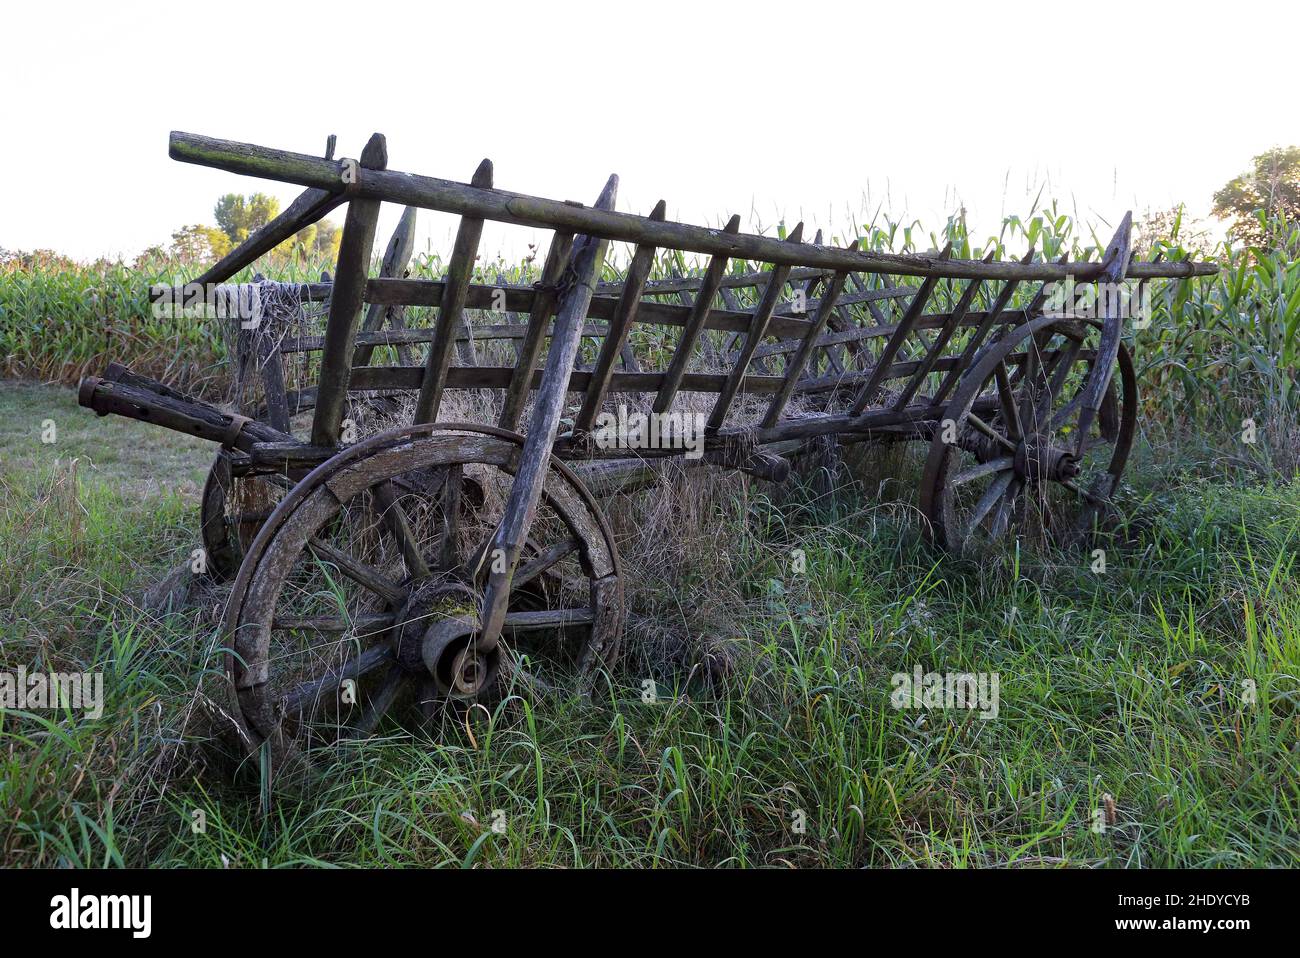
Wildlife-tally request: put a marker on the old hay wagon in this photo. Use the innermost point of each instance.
(386, 553)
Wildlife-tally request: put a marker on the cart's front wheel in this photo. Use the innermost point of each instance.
(1007, 454)
(361, 592)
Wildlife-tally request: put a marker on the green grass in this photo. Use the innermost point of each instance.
(1127, 684)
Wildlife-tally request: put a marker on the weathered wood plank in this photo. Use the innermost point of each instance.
(796, 366)
(502, 206)
(382, 378)
(541, 308)
(345, 304)
(694, 325)
(424, 292)
(753, 337)
(620, 325)
(905, 326)
(460, 270)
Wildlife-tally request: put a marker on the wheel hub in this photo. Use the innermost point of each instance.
(1037, 461)
(432, 601)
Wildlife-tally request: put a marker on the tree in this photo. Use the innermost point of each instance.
(319, 240)
(240, 216)
(199, 244)
(1257, 201)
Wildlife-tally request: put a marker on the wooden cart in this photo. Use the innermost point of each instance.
(422, 562)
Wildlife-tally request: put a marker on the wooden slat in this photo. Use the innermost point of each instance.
(905, 326)
(795, 367)
(345, 304)
(396, 257)
(658, 287)
(732, 303)
(460, 270)
(809, 306)
(978, 337)
(425, 292)
(694, 325)
(379, 378)
(543, 305)
(945, 334)
(620, 325)
(645, 313)
(753, 337)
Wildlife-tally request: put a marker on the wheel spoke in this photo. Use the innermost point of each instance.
(394, 518)
(1007, 400)
(983, 469)
(1080, 491)
(989, 431)
(533, 568)
(987, 501)
(364, 625)
(1002, 518)
(449, 525)
(359, 572)
(1064, 414)
(381, 701)
(308, 693)
(1061, 366)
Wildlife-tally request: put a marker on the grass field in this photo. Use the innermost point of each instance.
(1127, 733)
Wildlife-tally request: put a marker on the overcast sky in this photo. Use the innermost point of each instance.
(802, 110)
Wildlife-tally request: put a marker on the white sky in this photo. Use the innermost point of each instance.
(796, 109)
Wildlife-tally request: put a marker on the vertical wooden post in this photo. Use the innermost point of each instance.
(396, 256)
(451, 315)
(526, 491)
(345, 304)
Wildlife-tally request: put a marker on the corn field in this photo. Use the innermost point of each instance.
(1214, 352)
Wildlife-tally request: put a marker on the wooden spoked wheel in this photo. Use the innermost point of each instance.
(1007, 455)
(362, 591)
(230, 513)
(233, 508)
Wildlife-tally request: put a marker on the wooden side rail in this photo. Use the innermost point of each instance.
(502, 206)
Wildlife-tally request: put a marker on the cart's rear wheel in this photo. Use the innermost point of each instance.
(361, 592)
(1005, 456)
(233, 509)
(230, 513)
